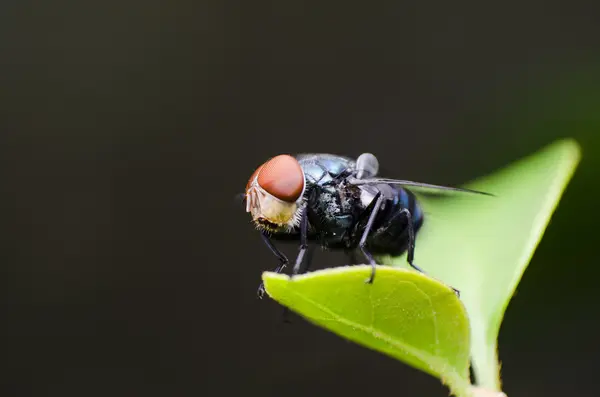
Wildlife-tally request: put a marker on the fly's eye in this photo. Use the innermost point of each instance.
(281, 177)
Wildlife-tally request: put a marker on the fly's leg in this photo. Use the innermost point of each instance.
(303, 241)
(363, 241)
(309, 253)
(308, 261)
(283, 261)
(300, 258)
(411, 243)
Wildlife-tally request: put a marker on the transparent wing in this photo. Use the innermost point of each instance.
(412, 184)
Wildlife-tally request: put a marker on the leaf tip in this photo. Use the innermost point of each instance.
(571, 147)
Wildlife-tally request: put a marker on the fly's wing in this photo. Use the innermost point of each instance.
(416, 186)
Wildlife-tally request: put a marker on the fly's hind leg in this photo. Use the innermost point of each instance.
(411, 241)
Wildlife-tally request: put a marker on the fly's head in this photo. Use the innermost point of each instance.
(274, 194)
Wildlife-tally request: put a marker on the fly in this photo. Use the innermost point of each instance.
(337, 202)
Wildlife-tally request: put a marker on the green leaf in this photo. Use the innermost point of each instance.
(478, 244)
(404, 314)
(482, 245)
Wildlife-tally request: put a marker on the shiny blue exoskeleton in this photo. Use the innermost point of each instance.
(346, 207)
(338, 210)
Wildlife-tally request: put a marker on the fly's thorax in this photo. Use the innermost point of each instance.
(322, 168)
(333, 208)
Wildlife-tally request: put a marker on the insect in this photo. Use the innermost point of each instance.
(337, 202)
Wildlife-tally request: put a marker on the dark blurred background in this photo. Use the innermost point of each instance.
(128, 127)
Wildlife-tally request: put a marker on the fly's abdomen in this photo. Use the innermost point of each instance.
(406, 199)
(390, 234)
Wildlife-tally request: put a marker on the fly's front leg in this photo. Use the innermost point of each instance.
(299, 259)
(363, 241)
(303, 241)
(283, 261)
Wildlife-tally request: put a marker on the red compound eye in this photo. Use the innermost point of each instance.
(281, 177)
